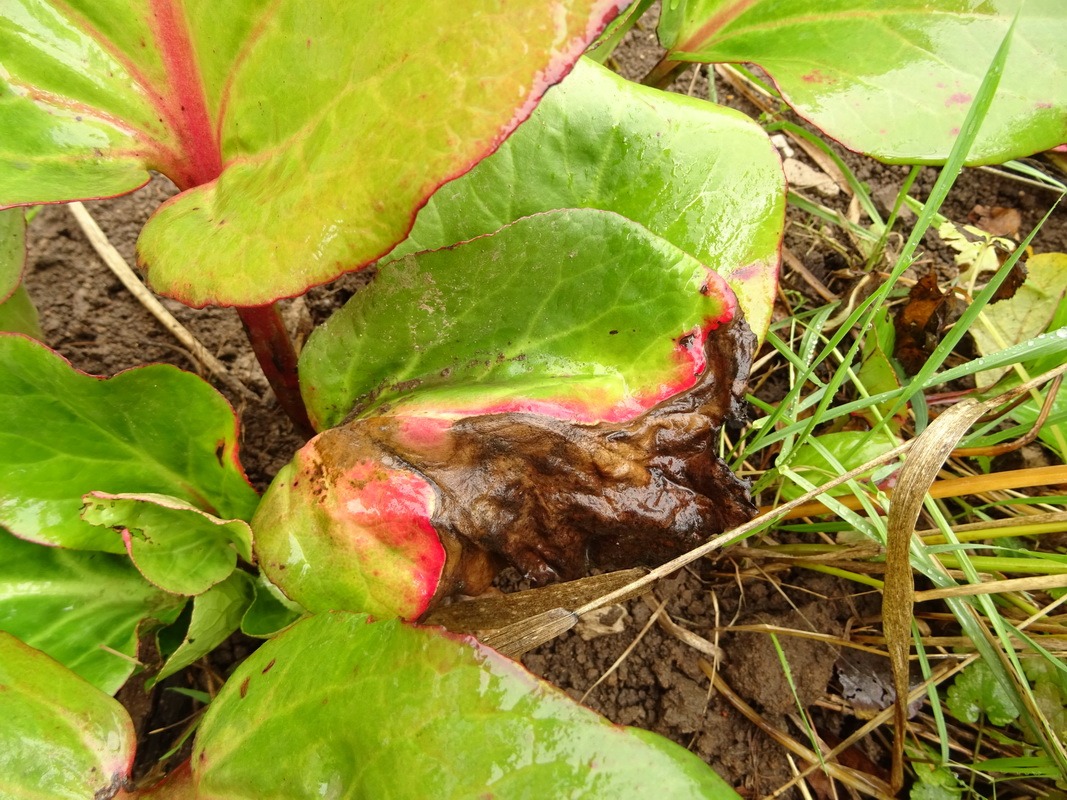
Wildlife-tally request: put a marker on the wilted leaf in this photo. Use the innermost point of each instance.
(151, 429)
(582, 391)
(216, 614)
(893, 80)
(919, 323)
(703, 177)
(84, 609)
(1024, 316)
(253, 109)
(388, 710)
(176, 546)
(996, 220)
(61, 738)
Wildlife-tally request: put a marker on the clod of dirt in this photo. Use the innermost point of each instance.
(754, 669)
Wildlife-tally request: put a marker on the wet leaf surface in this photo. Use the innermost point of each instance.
(67, 433)
(575, 313)
(480, 723)
(388, 513)
(176, 546)
(82, 608)
(894, 80)
(701, 176)
(550, 403)
(231, 101)
(61, 738)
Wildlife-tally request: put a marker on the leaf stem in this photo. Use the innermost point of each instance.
(277, 357)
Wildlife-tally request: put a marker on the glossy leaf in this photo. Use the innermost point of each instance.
(355, 535)
(152, 429)
(83, 609)
(176, 546)
(270, 612)
(216, 614)
(704, 177)
(61, 738)
(894, 78)
(578, 313)
(12, 251)
(253, 108)
(340, 706)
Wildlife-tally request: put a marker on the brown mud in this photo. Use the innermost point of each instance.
(661, 682)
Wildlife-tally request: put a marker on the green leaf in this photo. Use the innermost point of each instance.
(253, 107)
(152, 429)
(12, 251)
(1023, 316)
(18, 314)
(576, 313)
(977, 691)
(176, 546)
(893, 79)
(876, 374)
(61, 738)
(356, 535)
(84, 609)
(216, 614)
(849, 450)
(342, 706)
(270, 613)
(704, 177)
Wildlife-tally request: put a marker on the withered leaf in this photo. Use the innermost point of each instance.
(996, 220)
(554, 498)
(918, 323)
(1011, 284)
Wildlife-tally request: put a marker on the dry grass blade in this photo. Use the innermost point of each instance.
(117, 264)
(924, 461)
(521, 637)
(484, 614)
(952, 487)
(931, 449)
(1034, 583)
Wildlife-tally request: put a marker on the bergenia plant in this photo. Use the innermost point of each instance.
(571, 283)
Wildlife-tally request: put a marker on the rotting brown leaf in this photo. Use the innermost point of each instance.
(996, 220)
(554, 498)
(919, 322)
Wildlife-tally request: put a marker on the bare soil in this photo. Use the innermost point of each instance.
(661, 683)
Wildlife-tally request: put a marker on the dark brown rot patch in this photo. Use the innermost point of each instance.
(269, 666)
(555, 498)
(244, 687)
